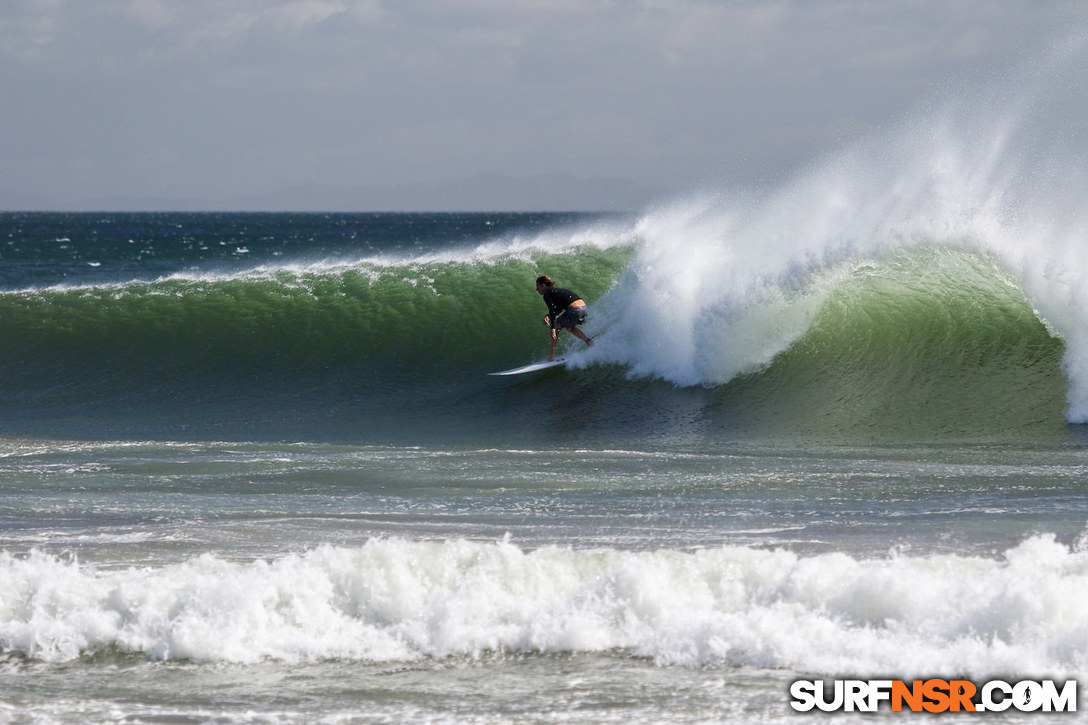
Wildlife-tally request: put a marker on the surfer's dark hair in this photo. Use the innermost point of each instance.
(545, 280)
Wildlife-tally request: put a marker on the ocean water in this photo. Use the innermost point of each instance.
(253, 469)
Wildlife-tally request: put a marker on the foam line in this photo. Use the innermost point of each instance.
(395, 599)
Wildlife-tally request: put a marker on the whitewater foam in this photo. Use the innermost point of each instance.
(394, 599)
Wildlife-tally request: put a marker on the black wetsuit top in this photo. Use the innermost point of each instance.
(558, 299)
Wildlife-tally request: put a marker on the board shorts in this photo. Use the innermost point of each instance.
(571, 318)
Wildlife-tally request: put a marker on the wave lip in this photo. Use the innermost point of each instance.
(394, 599)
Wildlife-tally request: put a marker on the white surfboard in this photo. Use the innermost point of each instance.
(531, 367)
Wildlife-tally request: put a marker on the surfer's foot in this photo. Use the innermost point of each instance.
(589, 342)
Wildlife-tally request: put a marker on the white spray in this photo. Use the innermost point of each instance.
(723, 283)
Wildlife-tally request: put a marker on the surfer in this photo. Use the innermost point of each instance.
(566, 311)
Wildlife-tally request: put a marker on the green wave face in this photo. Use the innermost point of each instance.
(351, 349)
(927, 343)
(921, 343)
(342, 314)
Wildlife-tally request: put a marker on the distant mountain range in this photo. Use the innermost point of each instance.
(482, 192)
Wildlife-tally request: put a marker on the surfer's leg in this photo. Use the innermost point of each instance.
(570, 319)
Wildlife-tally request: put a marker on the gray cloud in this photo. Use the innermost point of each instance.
(203, 99)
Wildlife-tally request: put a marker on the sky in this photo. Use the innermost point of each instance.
(242, 103)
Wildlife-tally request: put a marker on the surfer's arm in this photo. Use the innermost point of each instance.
(554, 309)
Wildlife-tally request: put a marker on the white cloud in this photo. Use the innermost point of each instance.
(154, 14)
(27, 28)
